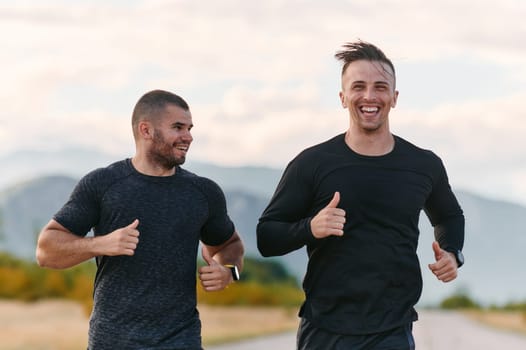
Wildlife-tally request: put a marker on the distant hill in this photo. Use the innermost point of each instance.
(23, 166)
(495, 237)
(26, 207)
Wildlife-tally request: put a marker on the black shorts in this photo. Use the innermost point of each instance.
(311, 338)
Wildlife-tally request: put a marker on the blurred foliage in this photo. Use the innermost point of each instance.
(26, 281)
(267, 271)
(253, 294)
(459, 300)
(262, 283)
(514, 306)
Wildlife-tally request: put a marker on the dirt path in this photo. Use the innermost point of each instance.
(50, 325)
(61, 325)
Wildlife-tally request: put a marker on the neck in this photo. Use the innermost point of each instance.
(370, 143)
(146, 167)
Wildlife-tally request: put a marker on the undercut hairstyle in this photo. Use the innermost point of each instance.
(361, 50)
(152, 105)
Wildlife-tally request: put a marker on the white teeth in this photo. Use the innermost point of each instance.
(370, 109)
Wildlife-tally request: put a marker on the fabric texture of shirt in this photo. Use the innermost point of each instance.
(368, 280)
(148, 300)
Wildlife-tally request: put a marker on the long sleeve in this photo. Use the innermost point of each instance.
(285, 224)
(445, 214)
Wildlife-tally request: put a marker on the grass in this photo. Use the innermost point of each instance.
(225, 324)
(514, 321)
(63, 325)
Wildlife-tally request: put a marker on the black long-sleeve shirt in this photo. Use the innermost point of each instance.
(368, 280)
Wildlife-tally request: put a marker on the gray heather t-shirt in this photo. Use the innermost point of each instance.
(148, 300)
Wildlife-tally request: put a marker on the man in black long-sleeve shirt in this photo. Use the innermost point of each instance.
(354, 201)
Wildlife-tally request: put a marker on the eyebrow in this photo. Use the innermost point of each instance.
(182, 124)
(379, 82)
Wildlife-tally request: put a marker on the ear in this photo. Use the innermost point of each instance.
(342, 99)
(145, 129)
(395, 99)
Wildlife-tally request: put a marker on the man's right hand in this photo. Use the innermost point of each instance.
(59, 248)
(122, 241)
(330, 220)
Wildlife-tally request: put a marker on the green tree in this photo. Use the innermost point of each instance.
(459, 300)
(264, 282)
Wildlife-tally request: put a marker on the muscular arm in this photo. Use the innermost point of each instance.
(229, 253)
(59, 248)
(215, 276)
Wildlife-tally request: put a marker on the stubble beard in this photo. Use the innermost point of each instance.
(162, 155)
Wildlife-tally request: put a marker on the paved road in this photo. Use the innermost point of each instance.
(436, 330)
(450, 331)
(283, 341)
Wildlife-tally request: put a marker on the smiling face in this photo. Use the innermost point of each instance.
(171, 138)
(368, 92)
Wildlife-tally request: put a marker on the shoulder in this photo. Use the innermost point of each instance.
(408, 147)
(104, 177)
(205, 185)
(111, 172)
(417, 154)
(331, 145)
(309, 161)
(312, 154)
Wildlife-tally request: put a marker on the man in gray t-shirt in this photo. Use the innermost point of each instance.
(148, 216)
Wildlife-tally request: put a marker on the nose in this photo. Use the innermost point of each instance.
(369, 94)
(187, 136)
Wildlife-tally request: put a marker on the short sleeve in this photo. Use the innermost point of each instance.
(81, 212)
(218, 228)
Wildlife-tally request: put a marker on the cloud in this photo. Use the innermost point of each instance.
(481, 142)
(261, 78)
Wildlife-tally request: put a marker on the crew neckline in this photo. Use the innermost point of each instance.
(155, 178)
(365, 156)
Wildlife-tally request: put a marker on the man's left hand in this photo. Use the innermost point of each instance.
(445, 267)
(214, 276)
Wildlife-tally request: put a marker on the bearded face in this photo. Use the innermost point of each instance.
(165, 153)
(171, 138)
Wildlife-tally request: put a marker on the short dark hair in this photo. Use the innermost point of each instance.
(361, 50)
(152, 104)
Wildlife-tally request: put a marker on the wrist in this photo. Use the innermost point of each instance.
(234, 271)
(458, 256)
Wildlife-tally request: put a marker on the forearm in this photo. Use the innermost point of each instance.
(229, 253)
(58, 249)
(446, 215)
(276, 238)
(450, 233)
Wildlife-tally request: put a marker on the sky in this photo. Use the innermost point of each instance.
(262, 81)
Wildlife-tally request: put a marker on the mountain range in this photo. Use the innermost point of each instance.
(494, 244)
